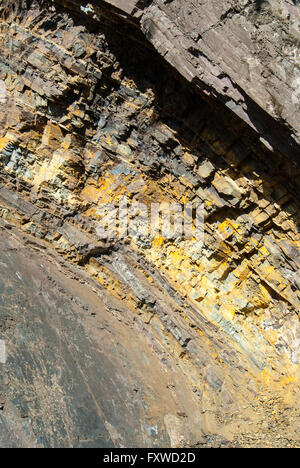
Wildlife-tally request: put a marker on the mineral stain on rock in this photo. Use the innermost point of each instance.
(149, 340)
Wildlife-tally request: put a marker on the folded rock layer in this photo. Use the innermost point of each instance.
(149, 339)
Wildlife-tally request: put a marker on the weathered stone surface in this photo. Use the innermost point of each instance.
(147, 340)
(245, 54)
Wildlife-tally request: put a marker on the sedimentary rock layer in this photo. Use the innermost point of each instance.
(245, 53)
(147, 340)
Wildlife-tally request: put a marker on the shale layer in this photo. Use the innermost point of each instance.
(147, 340)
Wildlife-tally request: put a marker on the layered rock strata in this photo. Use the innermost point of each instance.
(148, 340)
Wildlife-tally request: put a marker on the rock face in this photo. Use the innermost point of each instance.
(245, 53)
(148, 339)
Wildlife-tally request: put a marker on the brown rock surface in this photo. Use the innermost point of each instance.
(149, 340)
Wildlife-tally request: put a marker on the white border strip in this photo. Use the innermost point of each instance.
(2, 352)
